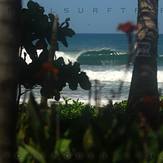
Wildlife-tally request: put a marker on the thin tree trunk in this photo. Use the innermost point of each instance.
(144, 88)
(49, 82)
(9, 12)
(54, 45)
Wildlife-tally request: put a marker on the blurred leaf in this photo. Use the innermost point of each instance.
(63, 146)
(35, 153)
(118, 154)
(22, 154)
(88, 140)
(160, 158)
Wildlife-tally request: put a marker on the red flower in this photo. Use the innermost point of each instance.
(48, 67)
(127, 27)
(149, 100)
(45, 68)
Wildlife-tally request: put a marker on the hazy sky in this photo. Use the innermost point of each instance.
(96, 16)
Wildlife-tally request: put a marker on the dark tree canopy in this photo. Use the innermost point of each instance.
(36, 31)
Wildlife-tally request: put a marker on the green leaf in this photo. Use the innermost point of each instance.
(35, 153)
(63, 148)
(88, 141)
(22, 154)
(160, 158)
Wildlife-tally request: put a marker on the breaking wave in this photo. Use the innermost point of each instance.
(103, 56)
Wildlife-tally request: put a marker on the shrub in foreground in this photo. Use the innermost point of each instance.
(77, 132)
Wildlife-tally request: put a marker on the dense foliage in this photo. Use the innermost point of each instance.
(51, 75)
(72, 131)
(36, 29)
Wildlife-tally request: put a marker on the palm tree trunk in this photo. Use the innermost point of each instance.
(144, 88)
(9, 13)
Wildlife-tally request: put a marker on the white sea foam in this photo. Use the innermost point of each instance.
(160, 76)
(110, 75)
(28, 59)
(67, 57)
(115, 75)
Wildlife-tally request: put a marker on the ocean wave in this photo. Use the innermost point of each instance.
(67, 57)
(102, 57)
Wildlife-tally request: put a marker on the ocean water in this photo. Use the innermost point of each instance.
(103, 57)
